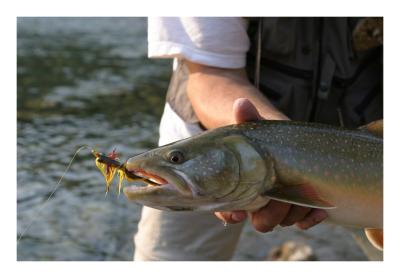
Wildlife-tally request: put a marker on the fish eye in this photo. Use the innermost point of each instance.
(175, 157)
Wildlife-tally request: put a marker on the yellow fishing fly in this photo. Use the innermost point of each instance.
(109, 165)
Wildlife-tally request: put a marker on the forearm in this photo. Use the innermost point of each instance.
(212, 92)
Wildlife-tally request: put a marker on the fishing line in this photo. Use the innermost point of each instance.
(51, 194)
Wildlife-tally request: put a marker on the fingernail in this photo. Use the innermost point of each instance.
(302, 226)
(238, 217)
(319, 217)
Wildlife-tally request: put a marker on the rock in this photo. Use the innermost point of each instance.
(292, 251)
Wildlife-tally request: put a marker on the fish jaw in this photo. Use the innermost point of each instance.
(160, 181)
(155, 184)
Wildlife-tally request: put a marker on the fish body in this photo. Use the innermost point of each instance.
(242, 167)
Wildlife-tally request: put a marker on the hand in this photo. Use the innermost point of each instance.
(275, 212)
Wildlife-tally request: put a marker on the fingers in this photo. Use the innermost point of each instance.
(278, 213)
(295, 214)
(265, 219)
(314, 217)
(244, 111)
(232, 217)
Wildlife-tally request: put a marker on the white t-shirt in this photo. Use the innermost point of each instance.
(213, 41)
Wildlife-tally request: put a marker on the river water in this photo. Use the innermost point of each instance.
(89, 81)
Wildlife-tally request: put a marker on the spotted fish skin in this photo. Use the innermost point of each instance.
(242, 167)
(343, 167)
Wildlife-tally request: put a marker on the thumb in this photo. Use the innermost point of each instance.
(244, 111)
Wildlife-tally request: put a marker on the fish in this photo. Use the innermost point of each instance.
(244, 166)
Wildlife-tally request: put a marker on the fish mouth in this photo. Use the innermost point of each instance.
(149, 178)
(154, 182)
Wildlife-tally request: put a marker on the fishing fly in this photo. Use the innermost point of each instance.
(109, 165)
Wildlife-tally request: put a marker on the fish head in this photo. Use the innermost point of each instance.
(206, 172)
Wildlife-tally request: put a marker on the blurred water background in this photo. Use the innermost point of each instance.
(89, 81)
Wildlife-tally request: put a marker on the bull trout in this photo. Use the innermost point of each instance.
(243, 166)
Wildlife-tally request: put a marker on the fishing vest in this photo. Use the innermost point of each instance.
(327, 70)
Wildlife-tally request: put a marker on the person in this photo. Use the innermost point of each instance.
(230, 70)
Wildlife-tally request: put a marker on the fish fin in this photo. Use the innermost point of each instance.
(375, 237)
(302, 195)
(362, 241)
(375, 127)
